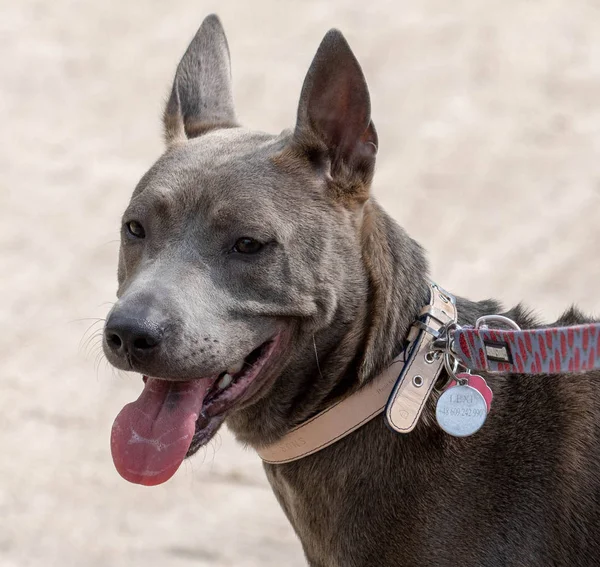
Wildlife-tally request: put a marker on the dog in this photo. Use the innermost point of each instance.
(260, 282)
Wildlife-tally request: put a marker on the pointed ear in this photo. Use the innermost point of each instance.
(201, 98)
(334, 115)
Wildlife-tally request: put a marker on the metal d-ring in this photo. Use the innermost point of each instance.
(482, 321)
(452, 369)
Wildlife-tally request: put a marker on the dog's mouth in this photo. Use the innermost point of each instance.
(171, 420)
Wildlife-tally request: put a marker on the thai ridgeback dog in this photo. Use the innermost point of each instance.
(260, 282)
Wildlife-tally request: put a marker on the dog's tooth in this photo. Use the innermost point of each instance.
(225, 381)
(235, 368)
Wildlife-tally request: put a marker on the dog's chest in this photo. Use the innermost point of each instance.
(346, 514)
(309, 508)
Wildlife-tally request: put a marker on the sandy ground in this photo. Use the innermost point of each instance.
(489, 121)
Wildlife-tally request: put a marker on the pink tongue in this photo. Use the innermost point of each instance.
(151, 436)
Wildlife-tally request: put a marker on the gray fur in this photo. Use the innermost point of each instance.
(201, 98)
(345, 282)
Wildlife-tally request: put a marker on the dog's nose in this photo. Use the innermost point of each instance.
(127, 335)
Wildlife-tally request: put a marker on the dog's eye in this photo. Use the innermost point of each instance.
(135, 229)
(247, 245)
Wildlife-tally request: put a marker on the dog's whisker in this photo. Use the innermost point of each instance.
(96, 319)
(116, 372)
(98, 360)
(214, 452)
(93, 323)
(87, 332)
(218, 443)
(94, 340)
(94, 349)
(90, 328)
(97, 350)
(98, 356)
(204, 451)
(317, 357)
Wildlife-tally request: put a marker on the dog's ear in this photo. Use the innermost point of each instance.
(201, 98)
(334, 114)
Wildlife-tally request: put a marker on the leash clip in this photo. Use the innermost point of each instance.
(443, 342)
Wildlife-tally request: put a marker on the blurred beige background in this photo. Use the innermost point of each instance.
(489, 122)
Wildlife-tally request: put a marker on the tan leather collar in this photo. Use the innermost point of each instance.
(403, 386)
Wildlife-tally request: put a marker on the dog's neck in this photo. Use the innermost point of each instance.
(344, 357)
(397, 285)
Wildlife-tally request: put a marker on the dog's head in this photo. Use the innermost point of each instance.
(236, 249)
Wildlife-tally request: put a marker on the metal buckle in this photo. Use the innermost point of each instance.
(424, 327)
